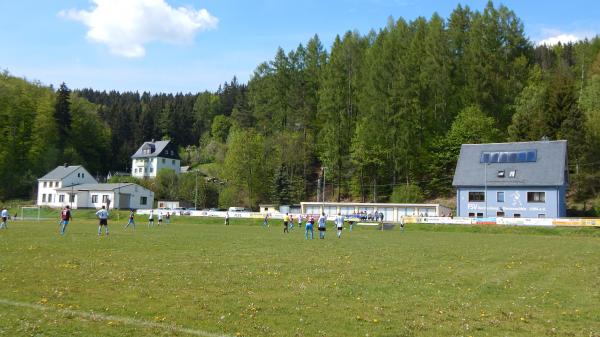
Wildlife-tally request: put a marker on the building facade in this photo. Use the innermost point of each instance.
(518, 180)
(152, 157)
(121, 196)
(61, 177)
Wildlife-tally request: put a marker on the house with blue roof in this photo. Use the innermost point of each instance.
(518, 180)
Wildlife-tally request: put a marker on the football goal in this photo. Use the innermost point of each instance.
(30, 213)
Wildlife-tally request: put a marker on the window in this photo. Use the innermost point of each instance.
(44, 197)
(517, 215)
(541, 216)
(500, 214)
(500, 196)
(78, 175)
(104, 198)
(49, 197)
(61, 198)
(143, 200)
(163, 160)
(94, 199)
(471, 215)
(512, 174)
(536, 196)
(476, 196)
(173, 161)
(151, 170)
(527, 156)
(501, 174)
(82, 175)
(480, 215)
(72, 198)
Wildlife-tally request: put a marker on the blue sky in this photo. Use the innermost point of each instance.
(177, 47)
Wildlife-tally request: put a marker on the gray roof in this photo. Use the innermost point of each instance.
(95, 187)
(159, 146)
(550, 168)
(60, 172)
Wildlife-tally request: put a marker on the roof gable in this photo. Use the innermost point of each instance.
(548, 169)
(161, 148)
(61, 172)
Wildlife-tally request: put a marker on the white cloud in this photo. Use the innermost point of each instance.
(560, 38)
(125, 26)
(553, 36)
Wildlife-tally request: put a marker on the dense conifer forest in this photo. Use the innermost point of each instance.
(385, 113)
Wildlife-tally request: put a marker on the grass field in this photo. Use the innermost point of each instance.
(200, 278)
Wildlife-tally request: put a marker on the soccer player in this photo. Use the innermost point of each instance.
(4, 215)
(160, 216)
(322, 226)
(291, 222)
(65, 217)
(168, 217)
(226, 218)
(339, 222)
(286, 219)
(309, 228)
(151, 219)
(300, 221)
(102, 215)
(131, 220)
(266, 221)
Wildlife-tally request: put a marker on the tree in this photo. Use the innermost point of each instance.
(220, 128)
(62, 114)
(247, 165)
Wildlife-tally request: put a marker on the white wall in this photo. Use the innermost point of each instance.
(78, 176)
(149, 167)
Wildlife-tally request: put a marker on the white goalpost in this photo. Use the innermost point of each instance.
(30, 213)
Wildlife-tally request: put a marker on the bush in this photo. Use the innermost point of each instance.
(407, 194)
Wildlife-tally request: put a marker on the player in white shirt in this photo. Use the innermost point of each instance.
(339, 222)
(322, 226)
(151, 219)
(4, 214)
(102, 215)
(160, 216)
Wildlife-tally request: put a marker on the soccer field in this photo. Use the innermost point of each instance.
(197, 277)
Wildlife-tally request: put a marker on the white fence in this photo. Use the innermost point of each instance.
(547, 222)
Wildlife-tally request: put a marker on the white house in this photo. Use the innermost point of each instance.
(61, 177)
(122, 196)
(152, 157)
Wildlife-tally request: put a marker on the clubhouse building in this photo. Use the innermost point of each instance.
(518, 180)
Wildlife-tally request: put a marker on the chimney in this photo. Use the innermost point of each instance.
(66, 165)
(152, 140)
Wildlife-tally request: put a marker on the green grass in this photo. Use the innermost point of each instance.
(251, 281)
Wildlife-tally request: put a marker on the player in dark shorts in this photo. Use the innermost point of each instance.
(286, 220)
(322, 226)
(102, 215)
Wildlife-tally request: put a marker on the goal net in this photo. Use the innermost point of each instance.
(30, 213)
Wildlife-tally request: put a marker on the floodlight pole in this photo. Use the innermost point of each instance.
(196, 192)
(324, 186)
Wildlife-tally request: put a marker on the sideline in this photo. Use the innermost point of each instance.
(101, 317)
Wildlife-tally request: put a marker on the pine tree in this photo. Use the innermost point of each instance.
(62, 114)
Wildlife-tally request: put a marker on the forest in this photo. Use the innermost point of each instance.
(382, 115)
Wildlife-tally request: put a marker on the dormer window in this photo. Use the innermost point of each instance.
(512, 174)
(501, 174)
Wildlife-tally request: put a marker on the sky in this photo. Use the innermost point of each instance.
(195, 45)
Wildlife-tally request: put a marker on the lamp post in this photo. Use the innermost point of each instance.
(324, 187)
(196, 192)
